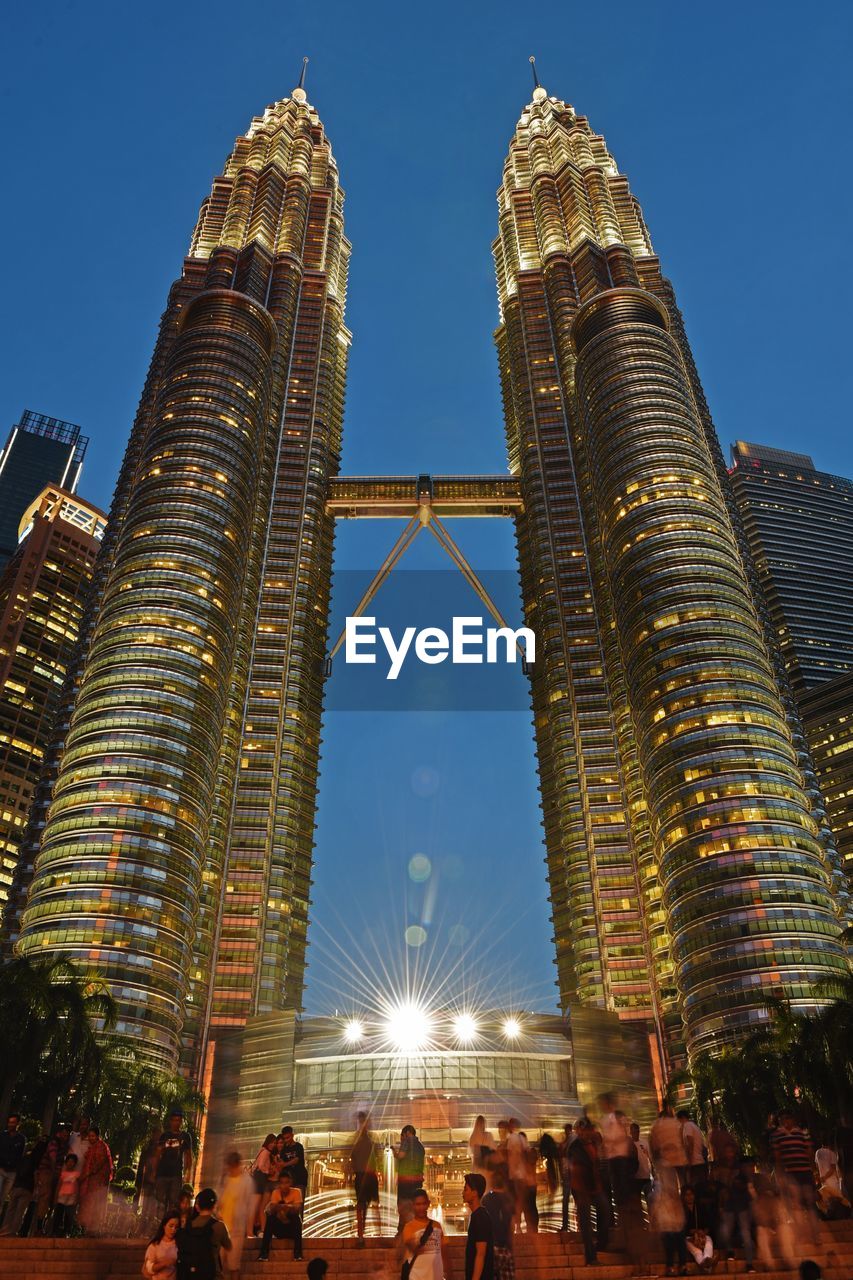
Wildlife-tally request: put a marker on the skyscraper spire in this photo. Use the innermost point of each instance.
(538, 92)
(299, 92)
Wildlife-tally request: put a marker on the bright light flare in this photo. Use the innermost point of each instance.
(408, 1027)
(464, 1028)
(353, 1031)
(512, 1028)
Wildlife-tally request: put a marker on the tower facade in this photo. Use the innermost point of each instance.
(39, 451)
(175, 859)
(799, 522)
(688, 877)
(42, 597)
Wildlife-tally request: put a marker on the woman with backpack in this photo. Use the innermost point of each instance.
(200, 1241)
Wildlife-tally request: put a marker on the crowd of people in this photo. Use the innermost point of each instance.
(702, 1195)
(699, 1193)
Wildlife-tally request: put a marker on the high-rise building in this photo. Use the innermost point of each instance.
(42, 594)
(690, 878)
(177, 854)
(827, 715)
(39, 451)
(799, 522)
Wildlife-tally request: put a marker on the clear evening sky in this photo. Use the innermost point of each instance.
(732, 122)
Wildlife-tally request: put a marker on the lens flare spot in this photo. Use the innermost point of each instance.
(416, 936)
(425, 781)
(420, 868)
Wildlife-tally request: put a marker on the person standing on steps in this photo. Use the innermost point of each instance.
(480, 1246)
(423, 1242)
(363, 1166)
(409, 1157)
(174, 1162)
(201, 1241)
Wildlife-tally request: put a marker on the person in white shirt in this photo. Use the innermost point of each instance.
(667, 1145)
(423, 1242)
(694, 1150)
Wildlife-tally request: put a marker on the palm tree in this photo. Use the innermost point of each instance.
(52, 1016)
(132, 1100)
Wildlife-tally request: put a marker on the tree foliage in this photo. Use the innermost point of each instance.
(58, 1061)
(802, 1061)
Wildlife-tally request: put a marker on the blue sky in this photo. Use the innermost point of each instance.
(732, 124)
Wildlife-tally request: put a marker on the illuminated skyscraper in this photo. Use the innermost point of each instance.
(40, 450)
(42, 595)
(177, 853)
(688, 877)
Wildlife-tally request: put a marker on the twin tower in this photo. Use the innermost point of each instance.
(691, 875)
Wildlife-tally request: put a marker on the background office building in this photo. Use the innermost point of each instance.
(799, 524)
(42, 597)
(40, 451)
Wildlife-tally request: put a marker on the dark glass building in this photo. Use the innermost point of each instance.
(827, 713)
(39, 451)
(799, 522)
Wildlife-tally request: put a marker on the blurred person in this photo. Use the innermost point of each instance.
(161, 1256)
(234, 1206)
(774, 1235)
(565, 1175)
(79, 1137)
(95, 1177)
(832, 1203)
(518, 1156)
(479, 1245)
(316, 1269)
(201, 1240)
(696, 1167)
(46, 1174)
(810, 1270)
(145, 1195)
(643, 1175)
(174, 1161)
(482, 1146)
(67, 1196)
(12, 1147)
(718, 1139)
(732, 1176)
(667, 1147)
(500, 1207)
(409, 1158)
(793, 1157)
(22, 1194)
(499, 1160)
(185, 1206)
(619, 1150)
(284, 1217)
(423, 1242)
(261, 1174)
(365, 1176)
(587, 1190)
(668, 1219)
(697, 1230)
